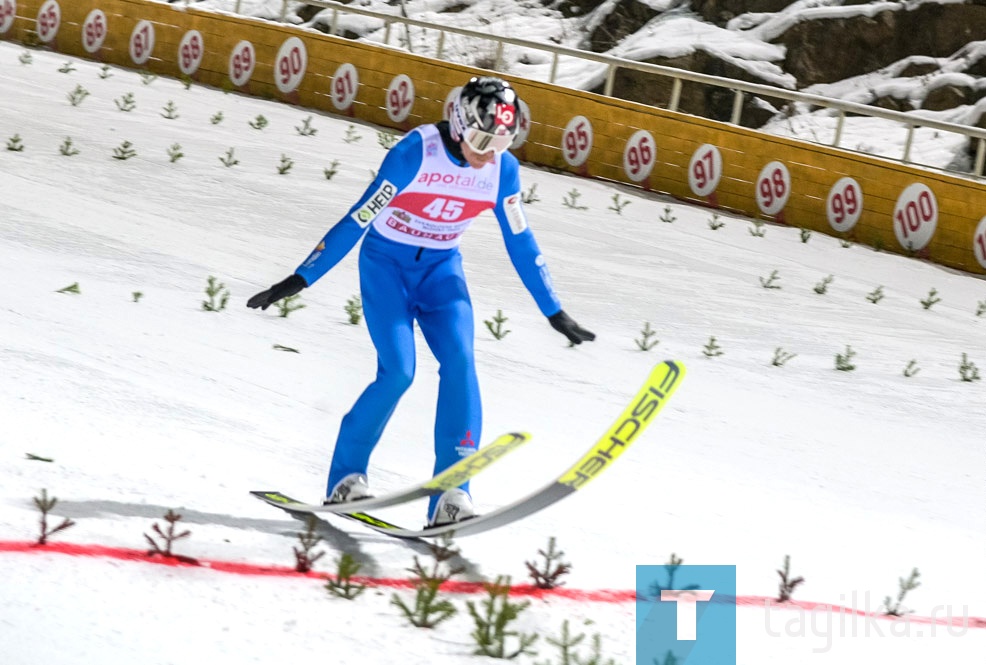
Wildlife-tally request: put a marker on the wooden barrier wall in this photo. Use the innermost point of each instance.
(880, 203)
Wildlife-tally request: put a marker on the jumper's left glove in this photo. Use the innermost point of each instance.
(283, 289)
(567, 326)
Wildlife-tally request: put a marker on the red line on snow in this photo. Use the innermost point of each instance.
(524, 590)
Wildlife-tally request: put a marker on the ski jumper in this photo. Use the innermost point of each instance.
(412, 216)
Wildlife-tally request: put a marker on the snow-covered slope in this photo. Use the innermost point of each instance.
(148, 403)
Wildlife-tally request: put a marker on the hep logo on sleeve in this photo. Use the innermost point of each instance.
(688, 612)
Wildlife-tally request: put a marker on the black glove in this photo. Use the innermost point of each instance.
(284, 289)
(564, 324)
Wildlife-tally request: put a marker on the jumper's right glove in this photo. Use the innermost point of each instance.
(567, 326)
(283, 289)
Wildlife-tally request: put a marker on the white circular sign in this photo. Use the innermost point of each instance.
(94, 31)
(142, 42)
(242, 60)
(400, 98)
(345, 82)
(8, 12)
(290, 64)
(191, 50)
(915, 216)
(705, 170)
(639, 155)
(844, 204)
(979, 242)
(773, 188)
(576, 140)
(523, 126)
(49, 19)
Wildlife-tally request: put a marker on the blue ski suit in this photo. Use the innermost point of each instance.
(410, 219)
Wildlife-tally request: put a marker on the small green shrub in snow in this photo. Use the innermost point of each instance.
(76, 96)
(492, 618)
(671, 567)
(895, 607)
(787, 584)
(290, 304)
(168, 537)
(843, 361)
(568, 654)
(354, 309)
(67, 149)
(305, 555)
(619, 204)
(341, 585)
(823, 286)
(170, 111)
(781, 357)
(387, 140)
(218, 296)
(124, 151)
(229, 159)
(352, 136)
(548, 575)
(429, 609)
(571, 200)
(931, 299)
(44, 504)
(771, 281)
(286, 165)
(306, 128)
(645, 343)
(530, 196)
(496, 325)
(126, 103)
(712, 348)
(968, 370)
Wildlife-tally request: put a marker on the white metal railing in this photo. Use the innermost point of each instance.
(909, 121)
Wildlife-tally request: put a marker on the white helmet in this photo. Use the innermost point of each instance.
(486, 114)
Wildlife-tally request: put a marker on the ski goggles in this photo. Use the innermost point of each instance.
(482, 142)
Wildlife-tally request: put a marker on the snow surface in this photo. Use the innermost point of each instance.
(156, 404)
